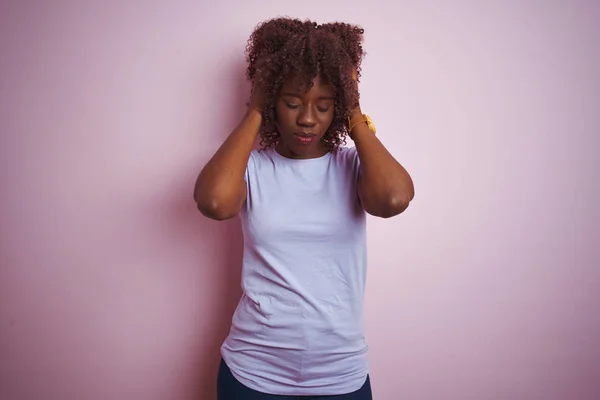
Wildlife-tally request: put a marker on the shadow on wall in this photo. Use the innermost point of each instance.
(219, 243)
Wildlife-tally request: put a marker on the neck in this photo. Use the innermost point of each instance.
(285, 151)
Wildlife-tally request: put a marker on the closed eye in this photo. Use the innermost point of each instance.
(323, 109)
(292, 106)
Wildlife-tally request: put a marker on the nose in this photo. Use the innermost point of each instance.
(307, 117)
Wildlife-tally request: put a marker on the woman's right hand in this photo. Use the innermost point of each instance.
(257, 98)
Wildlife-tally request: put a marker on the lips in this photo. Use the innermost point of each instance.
(305, 138)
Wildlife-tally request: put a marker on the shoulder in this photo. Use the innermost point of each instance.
(346, 162)
(349, 151)
(347, 156)
(259, 157)
(261, 162)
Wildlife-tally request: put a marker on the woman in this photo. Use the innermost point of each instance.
(302, 199)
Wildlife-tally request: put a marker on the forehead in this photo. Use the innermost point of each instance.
(317, 87)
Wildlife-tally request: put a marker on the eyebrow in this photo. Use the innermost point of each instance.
(289, 94)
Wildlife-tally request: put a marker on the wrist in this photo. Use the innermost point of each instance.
(252, 120)
(358, 123)
(353, 113)
(254, 113)
(359, 131)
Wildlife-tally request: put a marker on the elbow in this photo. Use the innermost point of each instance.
(394, 205)
(218, 204)
(213, 209)
(398, 201)
(388, 202)
(389, 206)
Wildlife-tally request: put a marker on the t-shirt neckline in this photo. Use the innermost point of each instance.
(314, 159)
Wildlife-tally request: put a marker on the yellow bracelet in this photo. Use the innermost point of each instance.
(352, 122)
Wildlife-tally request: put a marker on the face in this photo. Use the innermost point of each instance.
(303, 117)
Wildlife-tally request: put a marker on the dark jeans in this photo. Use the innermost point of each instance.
(229, 388)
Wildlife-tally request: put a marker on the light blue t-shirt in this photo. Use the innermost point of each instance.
(298, 329)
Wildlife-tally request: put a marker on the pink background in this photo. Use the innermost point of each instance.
(113, 286)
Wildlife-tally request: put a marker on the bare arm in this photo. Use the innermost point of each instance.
(220, 190)
(385, 188)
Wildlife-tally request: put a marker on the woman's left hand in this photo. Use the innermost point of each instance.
(354, 105)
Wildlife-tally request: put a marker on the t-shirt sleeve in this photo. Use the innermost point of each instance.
(249, 177)
(353, 162)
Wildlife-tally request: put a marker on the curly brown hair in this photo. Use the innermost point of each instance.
(284, 48)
